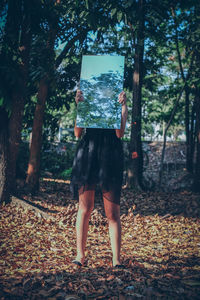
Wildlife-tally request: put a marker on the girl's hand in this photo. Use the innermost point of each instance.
(79, 96)
(122, 98)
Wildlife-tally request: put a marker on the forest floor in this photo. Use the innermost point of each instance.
(160, 245)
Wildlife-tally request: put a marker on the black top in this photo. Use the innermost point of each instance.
(98, 160)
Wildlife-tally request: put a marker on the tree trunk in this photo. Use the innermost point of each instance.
(165, 135)
(15, 127)
(33, 172)
(16, 43)
(189, 163)
(4, 178)
(135, 169)
(197, 164)
(189, 133)
(192, 139)
(18, 99)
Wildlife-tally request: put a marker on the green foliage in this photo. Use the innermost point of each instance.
(114, 23)
(22, 17)
(65, 174)
(59, 164)
(3, 16)
(56, 163)
(162, 82)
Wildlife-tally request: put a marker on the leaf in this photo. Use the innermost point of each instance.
(119, 16)
(87, 4)
(113, 12)
(175, 241)
(1, 101)
(146, 239)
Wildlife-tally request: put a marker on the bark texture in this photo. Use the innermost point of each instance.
(19, 97)
(197, 163)
(4, 178)
(33, 172)
(135, 169)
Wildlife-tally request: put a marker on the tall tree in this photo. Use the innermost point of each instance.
(36, 139)
(196, 186)
(196, 84)
(19, 95)
(69, 21)
(186, 55)
(14, 73)
(135, 169)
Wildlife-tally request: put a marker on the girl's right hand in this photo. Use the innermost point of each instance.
(79, 96)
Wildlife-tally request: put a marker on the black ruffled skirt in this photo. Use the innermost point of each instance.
(98, 160)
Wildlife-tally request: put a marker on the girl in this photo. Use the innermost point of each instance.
(99, 160)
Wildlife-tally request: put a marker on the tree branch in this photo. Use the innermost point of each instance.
(69, 45)
(177, 44)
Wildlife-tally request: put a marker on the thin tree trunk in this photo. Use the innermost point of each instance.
(15, 126)
(196, 186)
(135, 168)
(192, 139)
(33, 172)
(189, 146)
(165, 135)
(4, 178)
(189, 167)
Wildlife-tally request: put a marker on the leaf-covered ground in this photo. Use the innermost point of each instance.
(160, 248)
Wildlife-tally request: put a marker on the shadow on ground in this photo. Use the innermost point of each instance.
(183, 203)
(168, 280)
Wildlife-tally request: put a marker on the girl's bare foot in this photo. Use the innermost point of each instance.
(116, 262)
(80, 259)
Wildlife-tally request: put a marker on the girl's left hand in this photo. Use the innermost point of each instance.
(122, 98)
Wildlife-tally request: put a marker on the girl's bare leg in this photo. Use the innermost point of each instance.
(112, 211)
(86, 205)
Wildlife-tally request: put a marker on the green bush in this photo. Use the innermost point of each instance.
(56, 163)
(65, 174)
(59, 164)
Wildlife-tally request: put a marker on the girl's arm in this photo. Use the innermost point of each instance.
(78, 130)
(120, 132)
(122, 100)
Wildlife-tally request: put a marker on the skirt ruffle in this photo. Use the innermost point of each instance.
(98, 160)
